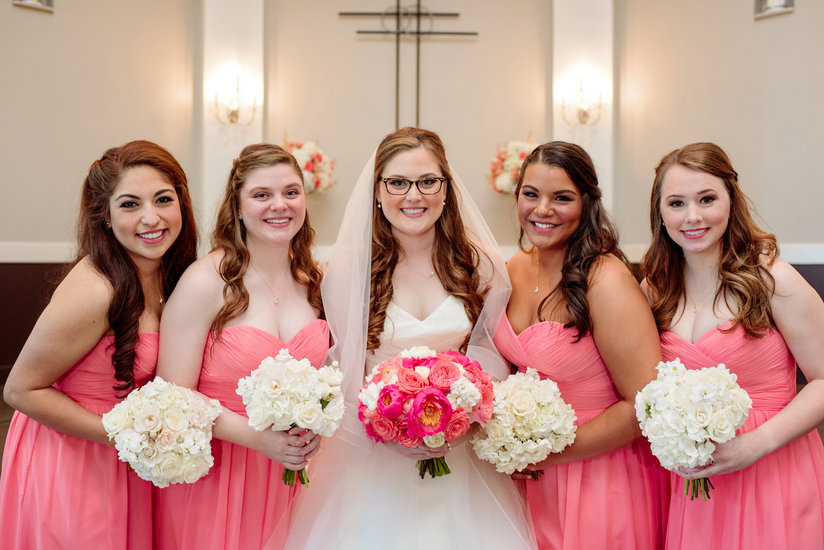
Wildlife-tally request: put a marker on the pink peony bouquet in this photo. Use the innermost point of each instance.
(422, 397)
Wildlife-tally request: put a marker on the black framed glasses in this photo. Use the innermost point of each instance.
(401, 186)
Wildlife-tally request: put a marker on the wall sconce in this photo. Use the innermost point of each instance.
(232, 107)
(583, 110)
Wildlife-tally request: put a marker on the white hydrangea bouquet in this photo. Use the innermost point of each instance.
(530, 421)
(506, 165)
(683, 411)
(285, 393)
(317, 168)
(164, 432)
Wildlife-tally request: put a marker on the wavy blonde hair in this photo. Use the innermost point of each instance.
(455, 256)
(229, 237)
(746, 285)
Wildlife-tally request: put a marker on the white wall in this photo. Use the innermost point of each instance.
(706, 71)
(94, 74)
(326, 83)
(89, 76)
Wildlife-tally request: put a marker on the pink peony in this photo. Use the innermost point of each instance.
(430, 412)
(391, 401)
(383, 427)
(458, 358)
(458, 424)
(410, 382)
(442, 373)
(482, 411)
(309, 166)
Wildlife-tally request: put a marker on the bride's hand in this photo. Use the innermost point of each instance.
(421, 452)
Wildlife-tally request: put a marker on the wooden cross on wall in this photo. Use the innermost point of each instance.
(403, 15)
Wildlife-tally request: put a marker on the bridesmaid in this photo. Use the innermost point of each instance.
(578, 316)
(258, 291)
(720, 294)
(62, 485)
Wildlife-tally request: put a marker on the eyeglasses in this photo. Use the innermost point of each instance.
(401, 186)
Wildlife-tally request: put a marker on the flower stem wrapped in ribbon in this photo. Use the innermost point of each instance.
(422, 397)
(287, 393)
(683, 411)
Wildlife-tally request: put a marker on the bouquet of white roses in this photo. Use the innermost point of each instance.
(285, 393)
(683, 411)
(506, 166)
(530, 421)
(317, 168)
(164, 432)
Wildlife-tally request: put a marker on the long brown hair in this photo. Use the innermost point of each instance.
(98, 242)
(595, 235)
(454, 255)
(229, 237)
(744, 279)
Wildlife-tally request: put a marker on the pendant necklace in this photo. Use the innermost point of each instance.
(696, 306)
(280, 285)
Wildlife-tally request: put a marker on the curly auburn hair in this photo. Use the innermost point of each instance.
(745, 281)
(454, 255)
(97, 241)
(229, 237)
(595, 235)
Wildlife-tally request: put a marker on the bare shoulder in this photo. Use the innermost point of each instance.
(85, 292)
(203, 275)
(519, 265)
(608, 269)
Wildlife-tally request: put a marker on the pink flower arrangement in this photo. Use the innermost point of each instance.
(506, 166)
(422, 397)
(317, 168)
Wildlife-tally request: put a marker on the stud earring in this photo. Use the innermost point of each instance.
(108, 225)
(379, 205)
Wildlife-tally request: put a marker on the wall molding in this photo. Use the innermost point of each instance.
(18, 252)
(12, 252)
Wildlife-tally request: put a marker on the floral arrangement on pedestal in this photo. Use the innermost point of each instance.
(683, 411)
(317, 167)
(422, 397)
(506, 165)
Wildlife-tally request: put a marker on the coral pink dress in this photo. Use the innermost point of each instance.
(60, 491)
(615, 500)
(778, 502)
(237, 505)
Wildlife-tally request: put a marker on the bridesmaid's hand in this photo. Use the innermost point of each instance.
(736, 454)
(291, 448)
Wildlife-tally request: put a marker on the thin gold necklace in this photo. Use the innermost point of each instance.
(274, 294)
(537, 274)
(696, 306)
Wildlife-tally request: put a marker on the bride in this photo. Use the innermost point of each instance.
(414, 264)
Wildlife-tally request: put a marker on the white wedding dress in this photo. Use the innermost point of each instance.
(377, 500)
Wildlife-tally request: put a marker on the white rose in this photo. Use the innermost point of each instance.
(116, 420)
(166, 440)
(169, 469)
(721, 427)
(175, 419)
(435, 440)
(147, 420)
(308, 415)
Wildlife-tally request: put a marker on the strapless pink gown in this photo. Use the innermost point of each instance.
(615, 500)
(776, 503)
(237, 505)
(60, 491)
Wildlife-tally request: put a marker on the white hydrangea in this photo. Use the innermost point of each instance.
(164, 432)
(682, 412)
(284, 392)
(530, 421)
